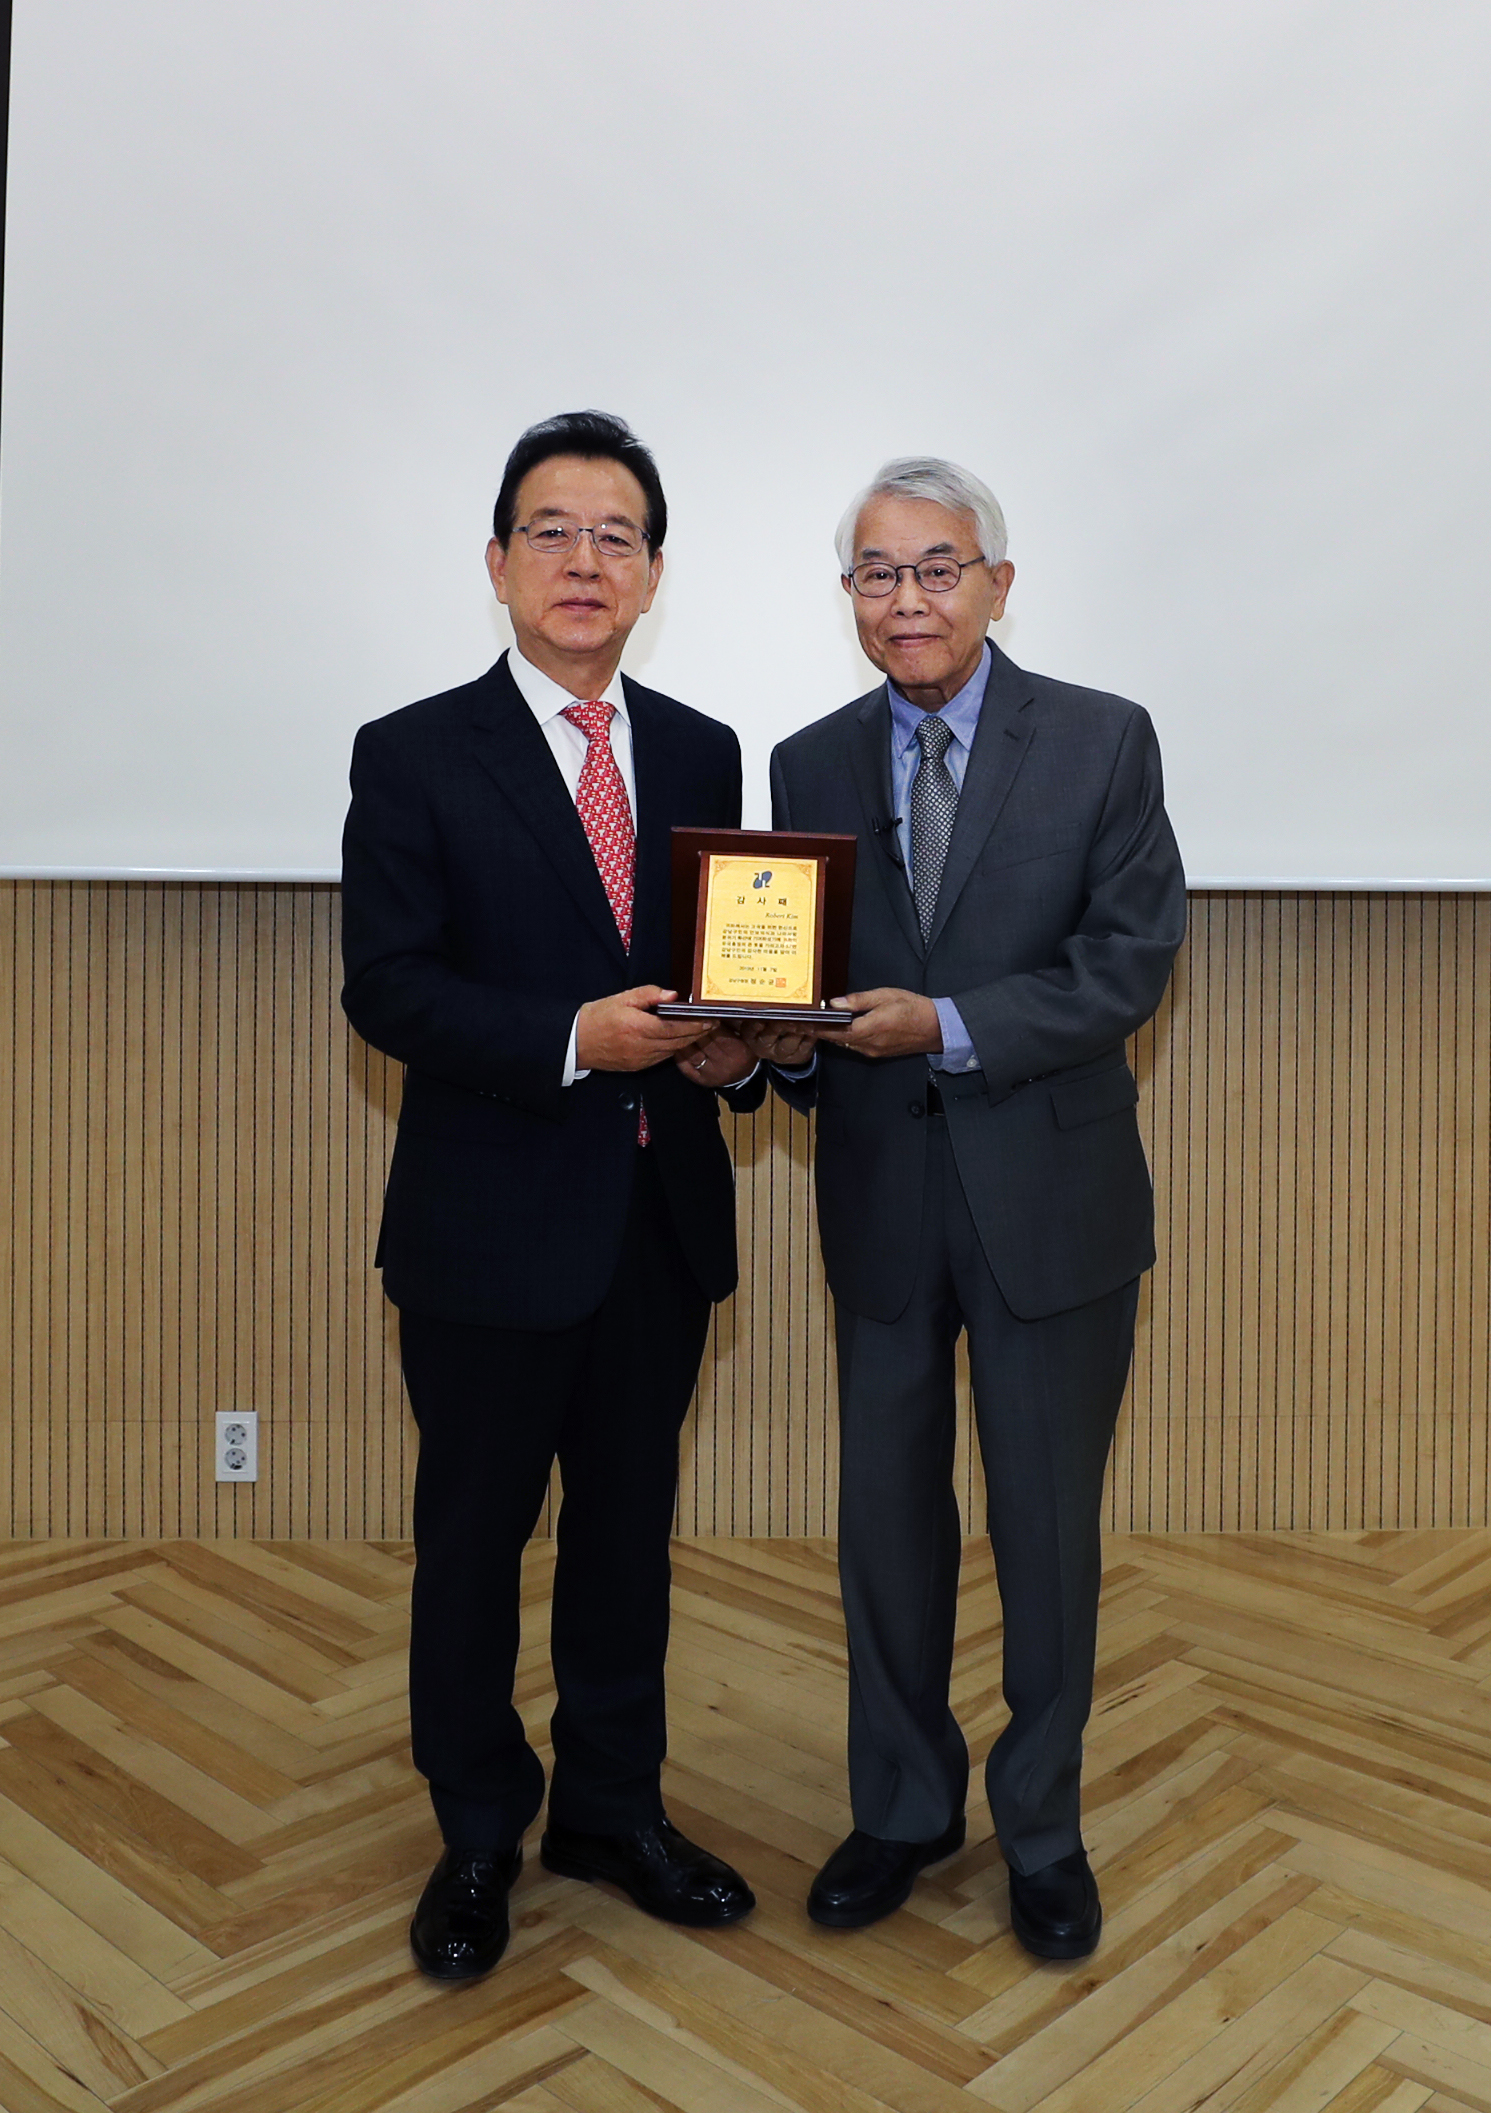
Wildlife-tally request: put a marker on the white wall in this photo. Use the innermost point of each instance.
(1200, 290)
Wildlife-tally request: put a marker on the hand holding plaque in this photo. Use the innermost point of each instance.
(761, 925)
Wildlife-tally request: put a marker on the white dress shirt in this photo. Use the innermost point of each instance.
(548, 700)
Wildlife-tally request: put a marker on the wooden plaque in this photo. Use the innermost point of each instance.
(761, 924)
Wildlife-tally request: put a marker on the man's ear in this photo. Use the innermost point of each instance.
(654, 574)
(497, 570)
(846, 583)
(1004, 579)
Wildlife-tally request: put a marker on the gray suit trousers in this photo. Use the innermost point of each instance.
(1046, 1396)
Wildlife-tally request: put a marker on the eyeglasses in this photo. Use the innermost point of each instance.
(935, 575)
(557, 536)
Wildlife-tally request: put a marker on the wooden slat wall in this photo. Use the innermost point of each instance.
(192, 1150)
(192, 1146)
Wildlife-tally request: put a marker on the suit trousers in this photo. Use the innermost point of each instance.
(495, 1407)
(1046, 1398)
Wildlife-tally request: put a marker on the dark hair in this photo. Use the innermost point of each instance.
(590, 434)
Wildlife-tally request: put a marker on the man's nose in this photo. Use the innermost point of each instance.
(910, 594)
(584, 559)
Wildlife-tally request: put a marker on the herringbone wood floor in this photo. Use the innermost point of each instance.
(210, 1840)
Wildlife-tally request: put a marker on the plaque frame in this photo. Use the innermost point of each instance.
(835, 906)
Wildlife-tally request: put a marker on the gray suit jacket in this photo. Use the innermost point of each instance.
(1061, 907)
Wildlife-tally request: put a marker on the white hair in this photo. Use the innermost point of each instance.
(928, 477)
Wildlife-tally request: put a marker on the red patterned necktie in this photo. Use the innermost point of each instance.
(606, 816)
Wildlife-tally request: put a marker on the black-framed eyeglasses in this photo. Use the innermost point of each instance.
(934, 575)
(556, 537)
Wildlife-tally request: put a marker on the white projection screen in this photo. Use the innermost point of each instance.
(1201, 290)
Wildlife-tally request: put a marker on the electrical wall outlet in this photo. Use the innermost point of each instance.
(238, 1445)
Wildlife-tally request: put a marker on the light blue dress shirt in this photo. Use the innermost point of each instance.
(961, 714)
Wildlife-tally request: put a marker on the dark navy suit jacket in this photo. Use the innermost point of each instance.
(474, 925)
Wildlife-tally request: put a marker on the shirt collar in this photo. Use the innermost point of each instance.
(546, 698)
(960, 712)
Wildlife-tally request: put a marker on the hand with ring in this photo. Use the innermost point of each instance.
(722, 1060)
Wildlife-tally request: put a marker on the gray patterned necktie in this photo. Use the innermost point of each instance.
(934, 803)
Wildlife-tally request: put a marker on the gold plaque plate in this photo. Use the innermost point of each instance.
(760, 922)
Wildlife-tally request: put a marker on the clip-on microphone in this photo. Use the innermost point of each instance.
(893, 846)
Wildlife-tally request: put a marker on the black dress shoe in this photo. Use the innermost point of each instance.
(1055, 1911)
(867, 1877)
(661, 1870)
(460, 1927)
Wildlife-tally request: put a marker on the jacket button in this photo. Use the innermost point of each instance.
(629, 1102)
(915, 1108)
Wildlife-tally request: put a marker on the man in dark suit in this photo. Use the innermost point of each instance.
(1018, 904)
(560, 1212)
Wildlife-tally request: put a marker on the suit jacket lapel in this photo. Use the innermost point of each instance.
(1000, 740)
(511, 748)
(653, 776)
(869, 754)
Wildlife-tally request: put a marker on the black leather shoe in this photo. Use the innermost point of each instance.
(867, 1877)
(662, 1871)
(460, 1927)
(1055, 1911)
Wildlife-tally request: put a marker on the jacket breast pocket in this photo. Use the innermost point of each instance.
(1078, 1101)
(1020, 847)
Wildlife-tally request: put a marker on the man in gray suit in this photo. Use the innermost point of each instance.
(1018, 905)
